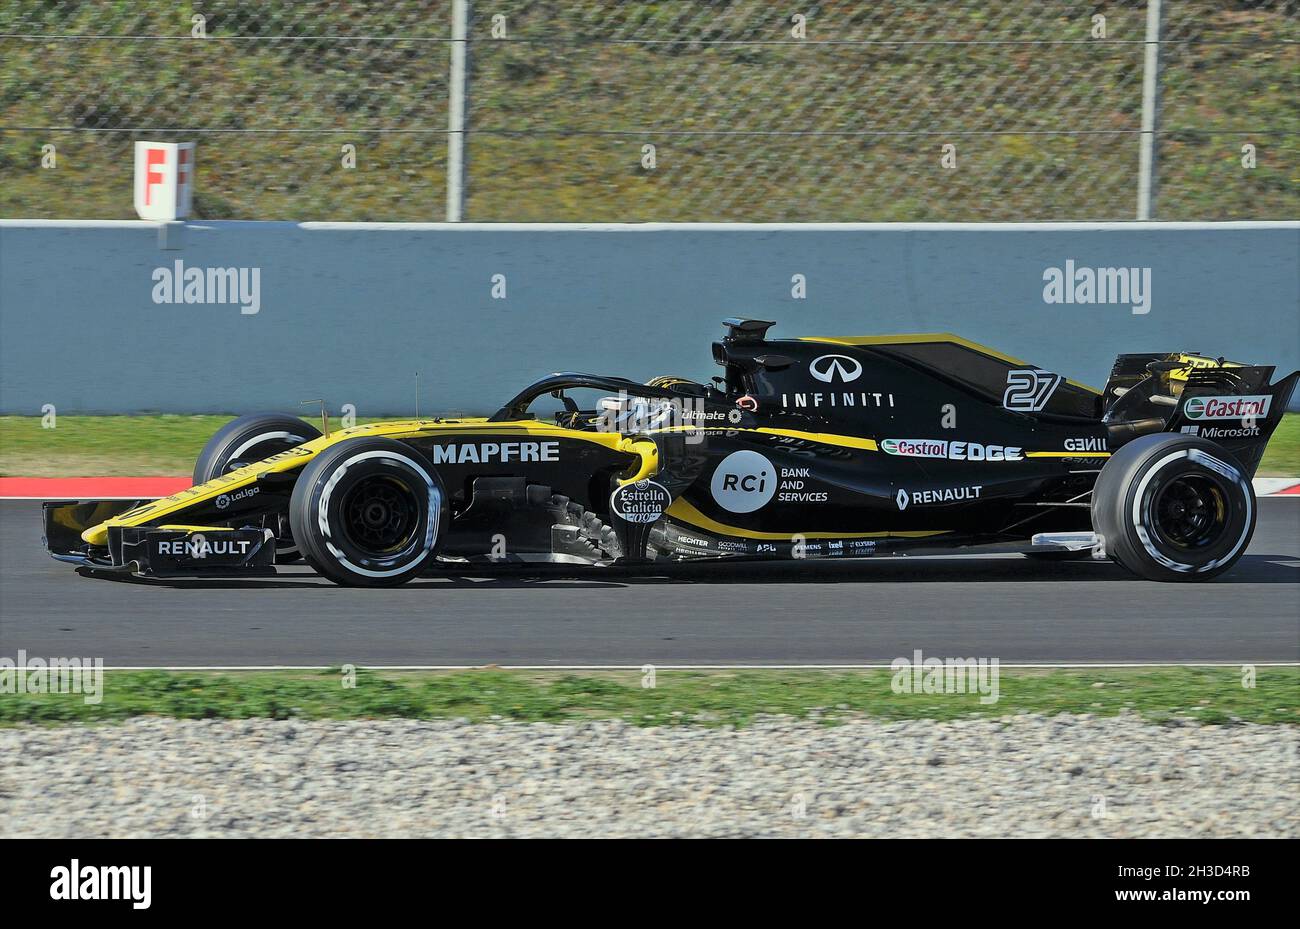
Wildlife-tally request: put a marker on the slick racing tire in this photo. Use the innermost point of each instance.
(252, 438)
(1174, 507)
(369, 512)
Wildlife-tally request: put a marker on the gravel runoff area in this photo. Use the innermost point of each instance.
(1024, 775)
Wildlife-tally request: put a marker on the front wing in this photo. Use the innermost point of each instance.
(155, 551)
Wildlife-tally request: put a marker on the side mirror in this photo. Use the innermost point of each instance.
(569, 404)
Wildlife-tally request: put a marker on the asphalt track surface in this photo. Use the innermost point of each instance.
(858, 612)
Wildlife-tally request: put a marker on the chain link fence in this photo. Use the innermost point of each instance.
(683, 110)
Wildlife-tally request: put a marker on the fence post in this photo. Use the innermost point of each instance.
(1150, 112)
(457, 107)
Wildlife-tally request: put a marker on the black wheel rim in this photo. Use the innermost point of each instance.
(380, 515)
(1191, 511)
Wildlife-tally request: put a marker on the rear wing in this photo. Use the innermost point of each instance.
(1229, 403)
(1239, 413)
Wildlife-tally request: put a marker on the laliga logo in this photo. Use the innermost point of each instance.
(224, 500)
(829, 368)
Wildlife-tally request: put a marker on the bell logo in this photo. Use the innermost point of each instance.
(901, 500)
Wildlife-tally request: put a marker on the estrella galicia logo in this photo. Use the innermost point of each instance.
(831, 369)
(642, 502)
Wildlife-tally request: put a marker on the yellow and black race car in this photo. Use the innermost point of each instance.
(806, 448)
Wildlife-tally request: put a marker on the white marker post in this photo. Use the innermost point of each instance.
(457, 105)
(1150, 113)
(164, 180)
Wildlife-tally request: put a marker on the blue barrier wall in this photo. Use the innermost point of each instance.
(350, 311)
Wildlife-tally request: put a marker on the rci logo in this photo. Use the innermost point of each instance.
(744, 482)
(832, 368)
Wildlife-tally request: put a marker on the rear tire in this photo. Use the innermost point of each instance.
(369, 512)
(1174, 507)
(249, 439)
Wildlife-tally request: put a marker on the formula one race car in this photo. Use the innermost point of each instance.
(806, 448)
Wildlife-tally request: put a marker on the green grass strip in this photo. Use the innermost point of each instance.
(1209, 695)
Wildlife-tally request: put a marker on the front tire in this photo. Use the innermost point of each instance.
(369, 512)
(1174, 507)
(252, 438)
